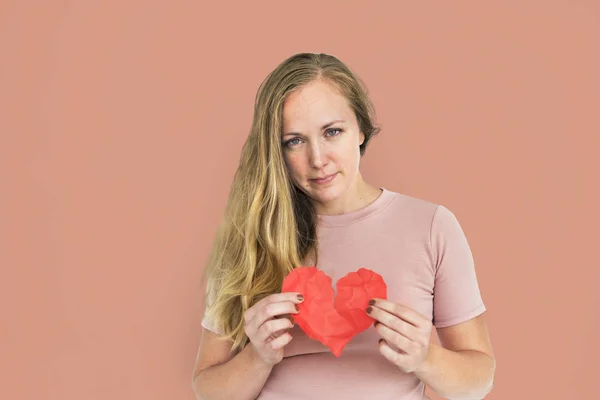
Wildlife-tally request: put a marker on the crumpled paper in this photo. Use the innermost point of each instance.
(334, 322)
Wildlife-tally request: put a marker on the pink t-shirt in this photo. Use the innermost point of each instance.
(422, 254)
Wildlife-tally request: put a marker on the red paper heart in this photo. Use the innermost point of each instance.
(334, 323)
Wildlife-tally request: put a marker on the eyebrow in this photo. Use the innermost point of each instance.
(327, 125)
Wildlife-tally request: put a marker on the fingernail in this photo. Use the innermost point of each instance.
(372, 302)
(300, 297)
(297, 308)
(369, 309)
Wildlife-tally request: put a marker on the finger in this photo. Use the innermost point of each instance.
(272, 327)
(280, 341)
(394, 322)
(288, 317)
(401, 311)
(277, 334)
(293, 297)
(270, 310)
(394, 357)
(400, 342)
(276, 310)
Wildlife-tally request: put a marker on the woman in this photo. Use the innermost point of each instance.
(299, 199)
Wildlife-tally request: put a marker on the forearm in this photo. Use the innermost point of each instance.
(457, 375)
(242, 377)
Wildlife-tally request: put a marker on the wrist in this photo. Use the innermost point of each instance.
(429, 361)
(256, 360)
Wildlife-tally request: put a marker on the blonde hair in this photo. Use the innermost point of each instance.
(269, 226)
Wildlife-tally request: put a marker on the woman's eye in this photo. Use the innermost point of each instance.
(296, 141)
(291, 142)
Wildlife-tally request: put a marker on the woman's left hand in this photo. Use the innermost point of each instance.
(405, 334)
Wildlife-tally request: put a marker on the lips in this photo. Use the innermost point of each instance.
(325, 179)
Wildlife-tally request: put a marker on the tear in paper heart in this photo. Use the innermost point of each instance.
(334, 323)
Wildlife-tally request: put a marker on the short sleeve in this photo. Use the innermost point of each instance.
(208, 324)
(207, 321)
(456, 294)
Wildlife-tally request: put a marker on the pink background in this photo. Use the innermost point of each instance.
(120, 128)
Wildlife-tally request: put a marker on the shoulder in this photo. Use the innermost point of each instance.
(435, 220)
(413, 208)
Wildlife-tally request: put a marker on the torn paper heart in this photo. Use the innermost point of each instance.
(334, 323)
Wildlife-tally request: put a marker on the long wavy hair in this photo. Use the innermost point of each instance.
(269, 226)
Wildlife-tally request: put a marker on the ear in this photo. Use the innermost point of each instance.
(361, 138)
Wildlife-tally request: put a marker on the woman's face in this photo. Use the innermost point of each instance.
(321, 139)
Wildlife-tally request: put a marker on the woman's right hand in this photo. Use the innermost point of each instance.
(266, 323)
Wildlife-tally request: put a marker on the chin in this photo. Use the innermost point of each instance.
(325, 194)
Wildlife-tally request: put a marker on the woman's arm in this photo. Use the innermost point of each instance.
(219, 375)
(461, 369)
(464, 366)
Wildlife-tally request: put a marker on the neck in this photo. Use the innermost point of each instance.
(358, 195)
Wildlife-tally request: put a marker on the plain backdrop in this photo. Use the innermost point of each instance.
(121, 124)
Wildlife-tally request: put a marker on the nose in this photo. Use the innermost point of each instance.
(316, 156)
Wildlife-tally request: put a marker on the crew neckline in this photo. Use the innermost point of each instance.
(375, 206)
